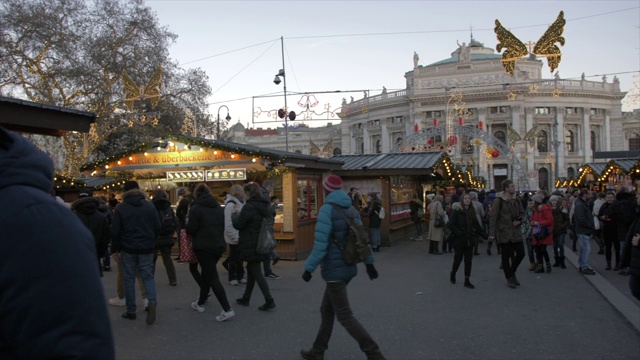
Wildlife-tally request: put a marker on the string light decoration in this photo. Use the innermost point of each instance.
(151, 91)
(533, 88)
(511, 96)
(308, 104)
(556, 93)
(632, 100)
(545, 47)
(62, 182)
(529, 136)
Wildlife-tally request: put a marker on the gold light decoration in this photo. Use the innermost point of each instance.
(545, 47)
(511, 96)
(133, 92)
(533, 88)
(556, 93)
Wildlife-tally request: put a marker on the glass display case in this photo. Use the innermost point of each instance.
(402, 190)
(307, 192)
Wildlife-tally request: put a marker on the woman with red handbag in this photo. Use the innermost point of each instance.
(542, 224)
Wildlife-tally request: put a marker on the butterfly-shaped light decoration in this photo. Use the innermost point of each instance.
(133, 92)
(529, 137)
(545, 47)
(326, 152)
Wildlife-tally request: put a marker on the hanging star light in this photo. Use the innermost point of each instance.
(511, 96)
(556, 93)
(533, 88)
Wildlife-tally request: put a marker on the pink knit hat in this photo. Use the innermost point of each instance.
(332, 183)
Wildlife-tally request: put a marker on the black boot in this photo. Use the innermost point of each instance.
(608, 265)
(468, 284)
(562, 265)
(557, 262)
(270, 304)
(539, 270)
(452, 278)
(435, 248)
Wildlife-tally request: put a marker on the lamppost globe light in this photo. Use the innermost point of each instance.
(277, 80)
(218, 121)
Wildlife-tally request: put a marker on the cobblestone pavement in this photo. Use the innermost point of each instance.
(412, 311)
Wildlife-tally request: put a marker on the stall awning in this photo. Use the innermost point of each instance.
(36, 118)
(391, 161)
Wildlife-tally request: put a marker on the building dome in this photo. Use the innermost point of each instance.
(476, 51)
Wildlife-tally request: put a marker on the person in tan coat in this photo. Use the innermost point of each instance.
(436, 234)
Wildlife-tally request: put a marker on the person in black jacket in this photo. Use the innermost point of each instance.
(623, 212)
(249, 222)
(53, 304)
(134, 230)
(165, 239)
(206, 226)
(86, 208)
(631, 259)
(610, 231)
(375, 205)
(464, 228)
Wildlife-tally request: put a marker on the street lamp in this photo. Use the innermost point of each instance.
(282, 113)
(218, 124)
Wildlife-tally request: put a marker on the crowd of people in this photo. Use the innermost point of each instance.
(530, 223)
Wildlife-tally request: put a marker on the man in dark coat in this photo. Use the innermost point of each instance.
(583, 227)
(623, 213)
(86, 208)
(51, 299)
(134, 230)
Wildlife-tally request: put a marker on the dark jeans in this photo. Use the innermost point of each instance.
(634, 285)
(335, 303)
(558, 244)
(234, 264)
(266, 264)
(460, 252)
(530, 252)
(541, 254)
(610, 241)
(210, 279)
(193, 269)
(165, 251)
(512, 255)
(254, 275)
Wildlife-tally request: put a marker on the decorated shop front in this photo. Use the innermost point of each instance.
(396, 178)
(608, 175)
(180, 162)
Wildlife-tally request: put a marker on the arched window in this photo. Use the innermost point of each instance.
(569, 141)
(594, 142)
(298, 152)
(500, 135)
(378, 146)
(543, 178)
(541, 141)
(571, 172)
(634, 142)
(337, 151)
(398, 141)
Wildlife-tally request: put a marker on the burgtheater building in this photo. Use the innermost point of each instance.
(552, 125)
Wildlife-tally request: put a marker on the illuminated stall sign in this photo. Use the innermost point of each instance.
(226, 174)
(182, 176)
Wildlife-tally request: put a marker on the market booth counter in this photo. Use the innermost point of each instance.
(177, 161)
(605, 176)
(396, 177)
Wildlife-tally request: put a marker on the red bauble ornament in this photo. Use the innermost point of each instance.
(453, 140)
(436, 122)
(480, 124)
(416, 128)
(495, 153)
(460, 121)
(430, 141)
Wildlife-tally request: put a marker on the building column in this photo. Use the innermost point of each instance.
(482, 149)
(586, 138)
(531, 150)
(561, 155)
(385, 138)
(366, 140)
(607, 132)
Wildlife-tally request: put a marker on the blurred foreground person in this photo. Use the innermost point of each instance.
(51, 303)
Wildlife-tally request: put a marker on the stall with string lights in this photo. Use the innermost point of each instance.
(177, 162)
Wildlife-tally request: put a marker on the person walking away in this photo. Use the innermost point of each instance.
(52, 298)
(86, 208)
(337, 274)
(417, 215)
(465, 229)
(525, 229)
(506, 217)
(206, 226)
(583, 227)
(436, 234)
(233, 204)
(540, 218)
(560, 225)
(181, 212)
(477, 207)
(165, 239)
(249, 223)
(105, 210)
(610, 231)
(375, 206)
(135, 229)
(623, 212)
(265, 190)
(631, 259)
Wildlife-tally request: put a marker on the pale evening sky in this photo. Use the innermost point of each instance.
(365, 45)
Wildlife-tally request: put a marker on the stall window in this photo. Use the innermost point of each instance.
(307, 191)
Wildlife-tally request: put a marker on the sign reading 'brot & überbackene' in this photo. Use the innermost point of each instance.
(186, 158)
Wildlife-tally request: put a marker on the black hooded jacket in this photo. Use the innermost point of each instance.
(52, 304)
(87, 210)
(135, 224)
(206, 225)
(249, 222)
(163, 205)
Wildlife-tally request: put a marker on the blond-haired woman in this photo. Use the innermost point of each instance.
(436, 233)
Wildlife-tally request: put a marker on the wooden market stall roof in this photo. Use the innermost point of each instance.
(36, 118)
(183, 143)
